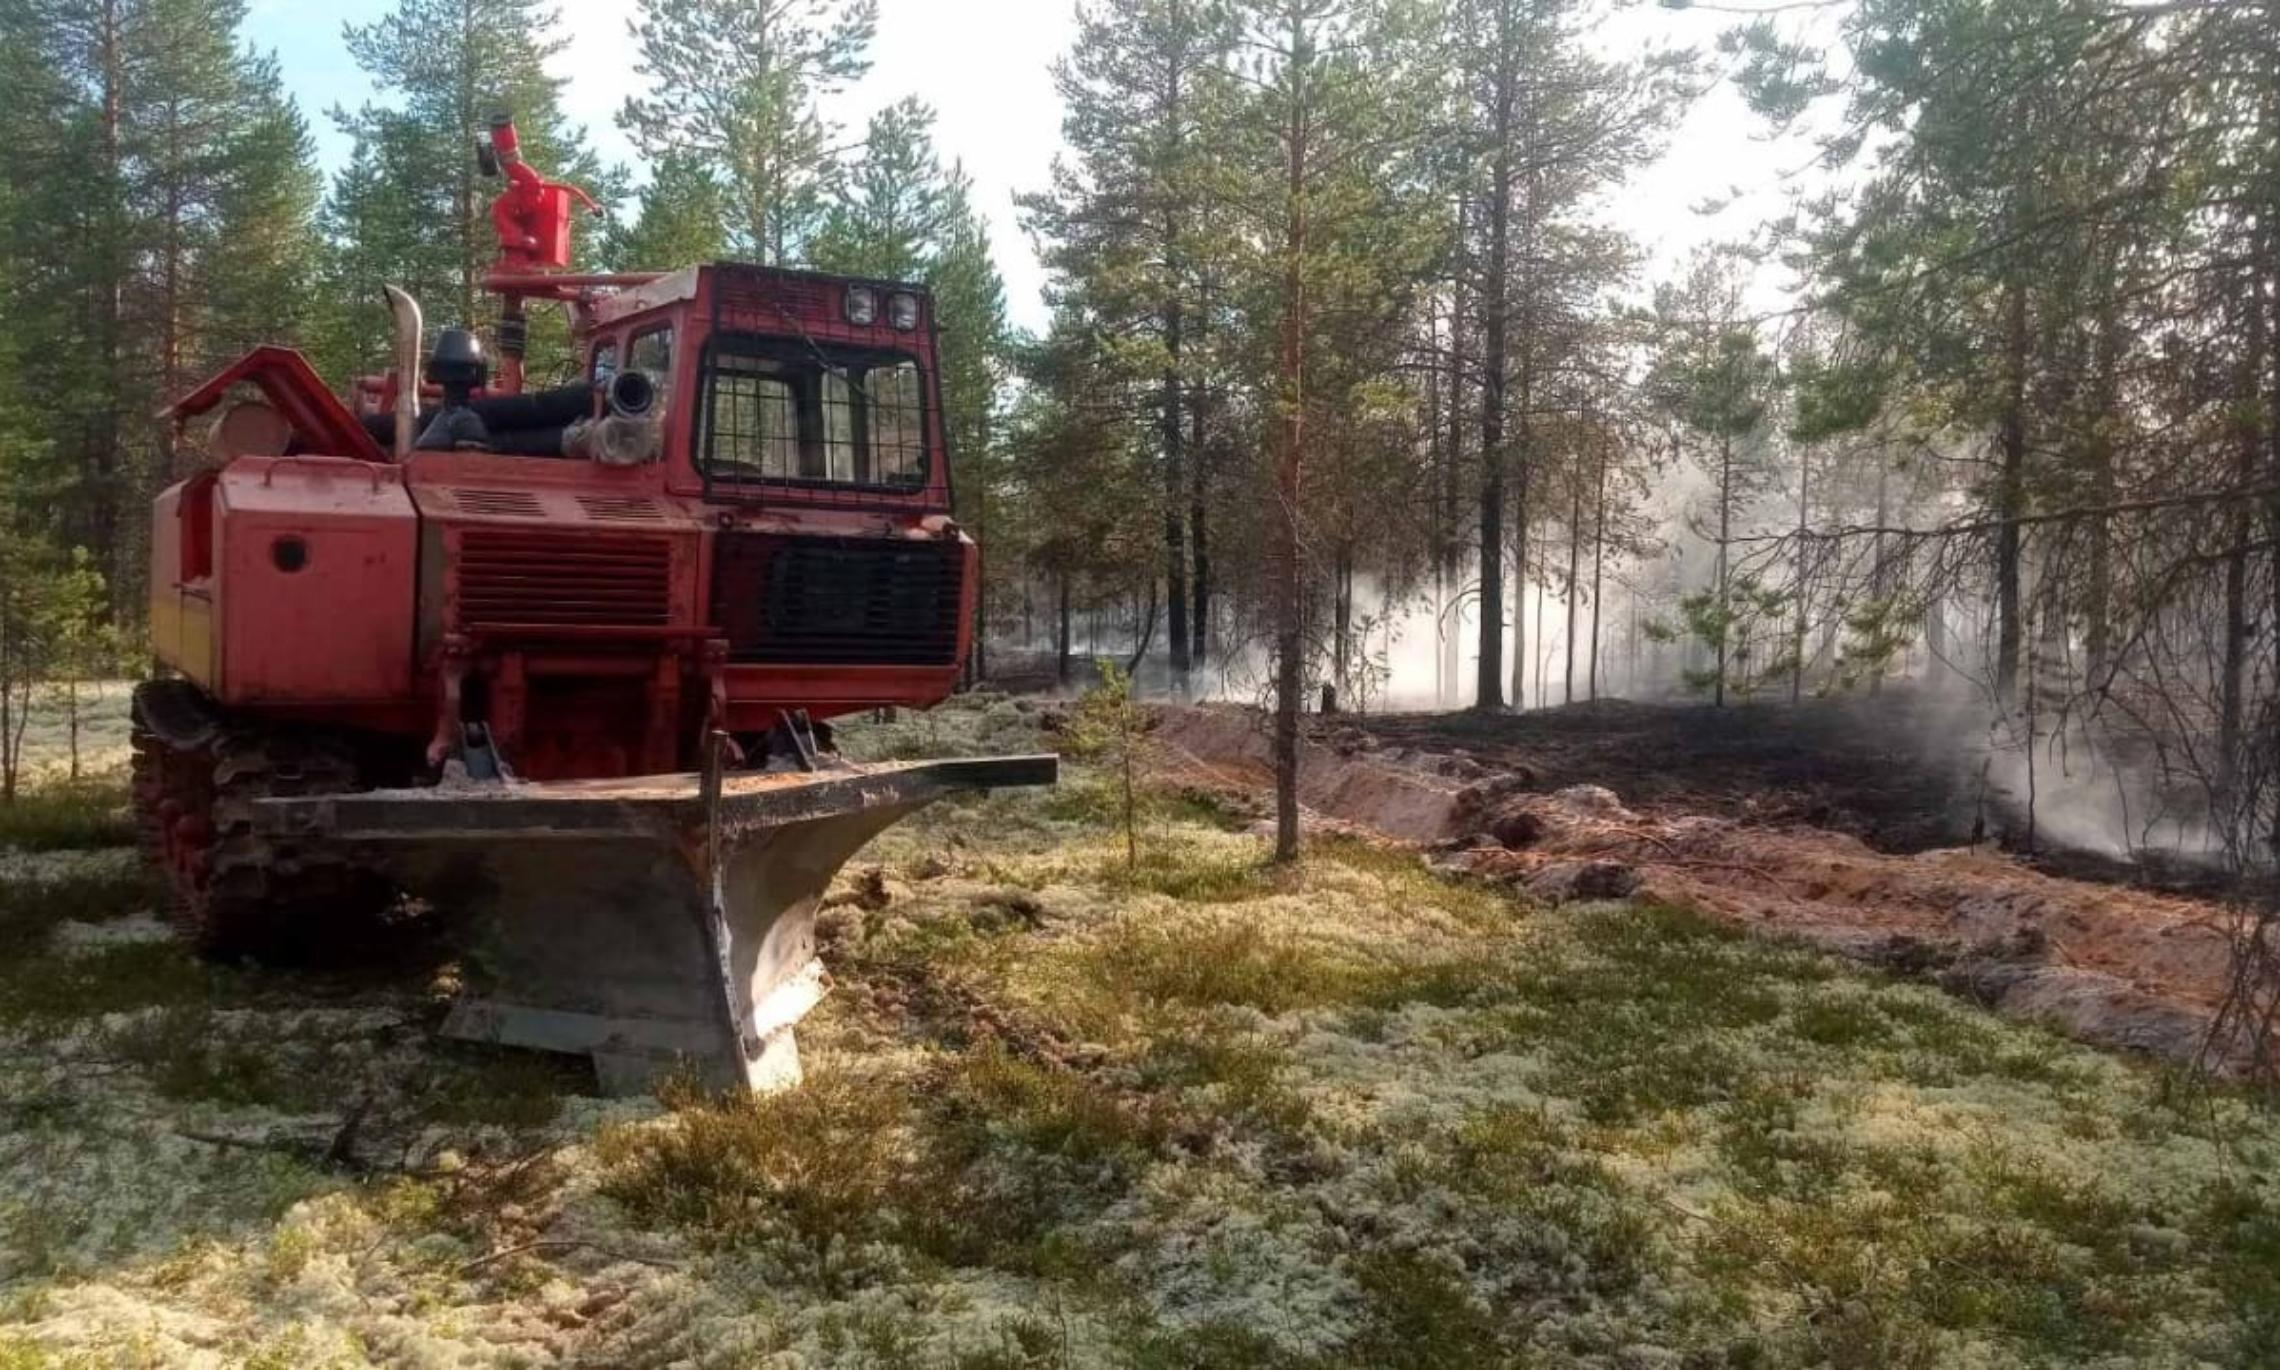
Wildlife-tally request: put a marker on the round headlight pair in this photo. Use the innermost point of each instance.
(863, 308)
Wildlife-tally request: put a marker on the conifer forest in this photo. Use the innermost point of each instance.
(1647, 776)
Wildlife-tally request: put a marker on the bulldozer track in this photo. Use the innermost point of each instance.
(238, 887)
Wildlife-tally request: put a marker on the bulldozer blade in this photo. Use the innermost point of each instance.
(661, 923)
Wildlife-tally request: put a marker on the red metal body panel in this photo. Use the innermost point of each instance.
(285, 378)
(331, 623)
(568, 604)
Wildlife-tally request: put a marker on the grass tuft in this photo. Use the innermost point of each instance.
(68, 816)
(1189, 873)
(1419, 1314)
(1014, 1153)
(821, 1164)
(1526, 1163)
(502, 1086)
(92, 893)
(110, 979)
(187, 1056)
(1222, 961)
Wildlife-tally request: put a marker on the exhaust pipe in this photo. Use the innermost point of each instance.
(409, 330)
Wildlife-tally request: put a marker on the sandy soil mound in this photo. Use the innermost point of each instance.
(2116, 966)
(1224, 746)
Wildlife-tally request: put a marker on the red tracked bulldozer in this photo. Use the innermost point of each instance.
(562, 661)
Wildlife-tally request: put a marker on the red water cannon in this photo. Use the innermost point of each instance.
(532, 215)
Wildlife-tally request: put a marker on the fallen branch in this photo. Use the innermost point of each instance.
(562, 1244)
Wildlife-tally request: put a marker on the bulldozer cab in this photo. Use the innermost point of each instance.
(785, 389)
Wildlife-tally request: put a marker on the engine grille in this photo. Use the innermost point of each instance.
(838, 601)
(513, 576)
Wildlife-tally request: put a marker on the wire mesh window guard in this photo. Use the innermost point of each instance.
(814, 415)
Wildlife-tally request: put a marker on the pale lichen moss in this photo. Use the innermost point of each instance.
(1066, 1111)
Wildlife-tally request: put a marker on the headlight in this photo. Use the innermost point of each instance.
(862, 306)
(902, 310)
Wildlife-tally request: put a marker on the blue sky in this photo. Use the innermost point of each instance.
(316, 66)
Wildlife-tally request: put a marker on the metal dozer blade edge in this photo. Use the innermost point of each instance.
(658, 923)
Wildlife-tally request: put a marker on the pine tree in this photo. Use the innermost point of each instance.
(1552, 124)
(1320, 154)
(262, 280)
(735, 84)
(682, 219)
(1959, 261)
(888, 211)
(375, 224)
(1122, 220)
(1076, 482)
(1713, 378)
(167, 215)
(412, 209)
(223, 175)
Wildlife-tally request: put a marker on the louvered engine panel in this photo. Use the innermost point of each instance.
(539, 576)
(838, 601)
(521, 504)
(621, 509)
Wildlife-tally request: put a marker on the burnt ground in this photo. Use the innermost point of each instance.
(1880, 769)
(1900, 770)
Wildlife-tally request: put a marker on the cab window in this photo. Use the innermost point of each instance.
(652, 354)
(778, 410)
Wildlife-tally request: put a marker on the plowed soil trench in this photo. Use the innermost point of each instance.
(1853, 839)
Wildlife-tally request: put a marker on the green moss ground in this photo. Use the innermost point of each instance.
(1066, 1112)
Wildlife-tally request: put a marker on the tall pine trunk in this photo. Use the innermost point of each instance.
(2232, 671)
(1061, 642)
(1519, 596)
(1574, 582)
(1797, 647)
(170, 340)
(2268, 272)
(1176, 495)
(1452, 475)
(1880, 570)
(2010, 494)
(1598, 564)
(466, 197)
(1725, 538)
(1199, 498)
(1289, 635)
(2098, 607)
(1522, 453)
(1436, 468)
(108, 431)
(1496, 292)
